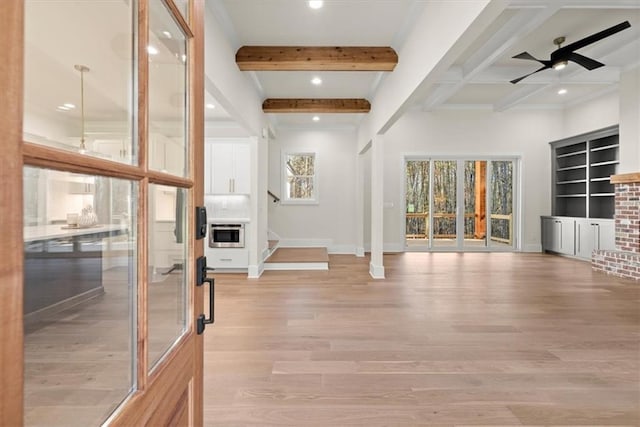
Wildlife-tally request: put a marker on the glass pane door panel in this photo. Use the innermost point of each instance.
(78, 76)
(475, 203)
(502, 219)
(417, 203)
(444, 203)
(167, 92)
(80, 266)
(167, 290)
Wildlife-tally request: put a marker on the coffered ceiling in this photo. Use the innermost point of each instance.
(478, 79)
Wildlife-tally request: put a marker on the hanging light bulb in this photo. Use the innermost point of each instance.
(82, 68)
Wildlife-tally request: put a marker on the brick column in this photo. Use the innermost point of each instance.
(625, 260)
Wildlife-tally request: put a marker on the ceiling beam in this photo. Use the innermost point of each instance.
(316, 58)
(318, 105)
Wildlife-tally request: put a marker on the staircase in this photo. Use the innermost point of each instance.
(280, 259)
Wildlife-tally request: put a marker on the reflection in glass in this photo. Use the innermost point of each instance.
(417, 202)
(79, 296)
(167, 292)
(502, 203)
(444, 202)
(167, 92)
(78, 76)
(475, 203)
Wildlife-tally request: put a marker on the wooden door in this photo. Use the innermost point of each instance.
(166, 388)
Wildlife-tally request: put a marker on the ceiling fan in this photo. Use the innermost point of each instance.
(562, 55)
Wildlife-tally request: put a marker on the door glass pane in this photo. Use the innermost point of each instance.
(502, 203)
(167, 291)
(78, 76)
(444, 203)
(417, 202)
(79, 296)
(167, 92)
(475, 203)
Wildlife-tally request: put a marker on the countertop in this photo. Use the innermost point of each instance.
(55, 231)
(228, 220)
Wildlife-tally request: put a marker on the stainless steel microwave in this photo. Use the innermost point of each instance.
(226, 236)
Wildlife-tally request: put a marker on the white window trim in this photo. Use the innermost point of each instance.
(285, 200)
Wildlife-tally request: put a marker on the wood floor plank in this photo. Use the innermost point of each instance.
(445, 339)
(299, 255)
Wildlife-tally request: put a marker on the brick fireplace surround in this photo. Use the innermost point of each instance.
(625, 260)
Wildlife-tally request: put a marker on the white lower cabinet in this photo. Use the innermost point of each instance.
(577, 236)
(593, 235)
(558, 235)
(227, 258)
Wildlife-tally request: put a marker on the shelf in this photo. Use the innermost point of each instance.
(602, 194)
(568, 168)
(606, 147)
(610, 162)
(606, 178)
(564, 196)
(574, 181)
(575, 153)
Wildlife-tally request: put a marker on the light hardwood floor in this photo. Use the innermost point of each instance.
(447, 339)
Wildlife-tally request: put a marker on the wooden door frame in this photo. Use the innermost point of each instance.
(11, 300)
(149, 404)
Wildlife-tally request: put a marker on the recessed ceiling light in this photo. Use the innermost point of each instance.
(152, 50)
(315, 4)
(184, 57)
(316, 118)
(69, 105)
(316, 81)
(210, 106)
(167, 34)
(562, 91)
(62, 108)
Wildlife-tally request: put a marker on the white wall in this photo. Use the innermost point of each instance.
(474, 133)
(630, 121)
(592, 115)
(332, 222)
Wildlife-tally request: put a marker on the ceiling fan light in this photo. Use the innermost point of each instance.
(315, 4)
(559, 65)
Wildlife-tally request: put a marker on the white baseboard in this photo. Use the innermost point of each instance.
(342, 249)
(305, 243)
(376, 271)
(360, 251)
(255, 271)
(532, 248)
(393, 247)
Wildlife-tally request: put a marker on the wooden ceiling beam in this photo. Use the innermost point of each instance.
(316, 58)
(311, 105)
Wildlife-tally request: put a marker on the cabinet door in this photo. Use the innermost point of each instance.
(222, 167)
(242, 169)
(548, 225)
(567, 236)
(606, 235)
(585, 238)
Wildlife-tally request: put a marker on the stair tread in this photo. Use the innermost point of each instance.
(299, 255)
(273, 243)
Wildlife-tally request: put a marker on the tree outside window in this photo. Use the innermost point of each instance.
(300, 177)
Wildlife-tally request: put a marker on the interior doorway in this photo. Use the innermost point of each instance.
(460, 204)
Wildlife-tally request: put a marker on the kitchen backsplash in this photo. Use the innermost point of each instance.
(227, 206)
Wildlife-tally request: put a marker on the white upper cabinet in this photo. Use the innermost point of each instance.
(227, 168)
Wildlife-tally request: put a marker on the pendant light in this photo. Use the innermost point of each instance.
(83, 69)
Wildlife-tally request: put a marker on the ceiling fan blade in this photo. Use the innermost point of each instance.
(528, 56)
(527, 75)
(588, 63)
(595, 37)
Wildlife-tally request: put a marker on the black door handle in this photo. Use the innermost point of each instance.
(202, 319)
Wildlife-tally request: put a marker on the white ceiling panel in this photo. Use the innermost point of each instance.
(335, 84)
(481, 93)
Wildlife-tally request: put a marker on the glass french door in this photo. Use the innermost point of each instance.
(459, 204)
(103, 146)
